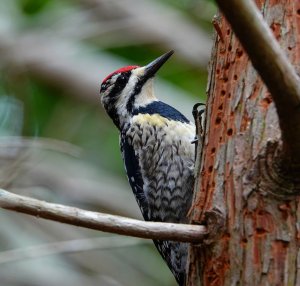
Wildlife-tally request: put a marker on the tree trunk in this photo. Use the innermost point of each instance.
(259, 241)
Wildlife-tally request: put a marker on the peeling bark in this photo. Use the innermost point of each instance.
(237, 174)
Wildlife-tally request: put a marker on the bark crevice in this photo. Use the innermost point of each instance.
(214, 220)
(277, 177)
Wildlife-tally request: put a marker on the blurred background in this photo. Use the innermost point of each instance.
(57, 143)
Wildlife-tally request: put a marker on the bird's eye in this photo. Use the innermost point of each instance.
(105, 85)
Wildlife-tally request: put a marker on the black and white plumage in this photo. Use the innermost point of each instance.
(155, 142)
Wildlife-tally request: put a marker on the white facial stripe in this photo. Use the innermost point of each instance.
(125, 95)
(146, 96)
(114, 78)
(139, 72)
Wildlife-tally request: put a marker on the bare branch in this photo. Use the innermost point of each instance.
(273, 66)
(15, 143)
(56, 61)
(150, 22)
(100, 221)
(69, 246)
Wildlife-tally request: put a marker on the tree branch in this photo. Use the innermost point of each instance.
(273, 66)
(100, 221)
(69, 246)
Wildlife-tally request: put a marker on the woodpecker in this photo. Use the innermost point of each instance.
(156, 146)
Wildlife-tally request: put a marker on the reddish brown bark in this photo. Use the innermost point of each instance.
(260, 243)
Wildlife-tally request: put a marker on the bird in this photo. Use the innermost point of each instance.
(156, 146)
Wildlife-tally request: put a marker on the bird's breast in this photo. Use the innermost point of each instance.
(166, 159)
(145, 128)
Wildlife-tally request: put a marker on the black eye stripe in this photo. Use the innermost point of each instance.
(137, 89)
(122, 79)
(118, 85)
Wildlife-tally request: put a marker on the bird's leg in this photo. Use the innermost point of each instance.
(197, 114)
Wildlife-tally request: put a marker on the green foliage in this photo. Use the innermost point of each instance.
(11, 116)
(31, 7)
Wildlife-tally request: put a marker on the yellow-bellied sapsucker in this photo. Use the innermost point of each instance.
(157, 151)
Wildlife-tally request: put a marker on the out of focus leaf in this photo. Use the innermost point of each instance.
(11, 116)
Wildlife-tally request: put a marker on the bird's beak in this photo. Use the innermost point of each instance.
(154, 66)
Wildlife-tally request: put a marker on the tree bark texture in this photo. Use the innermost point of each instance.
(259, 241)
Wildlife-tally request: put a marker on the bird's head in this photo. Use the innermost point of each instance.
(129, 88)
